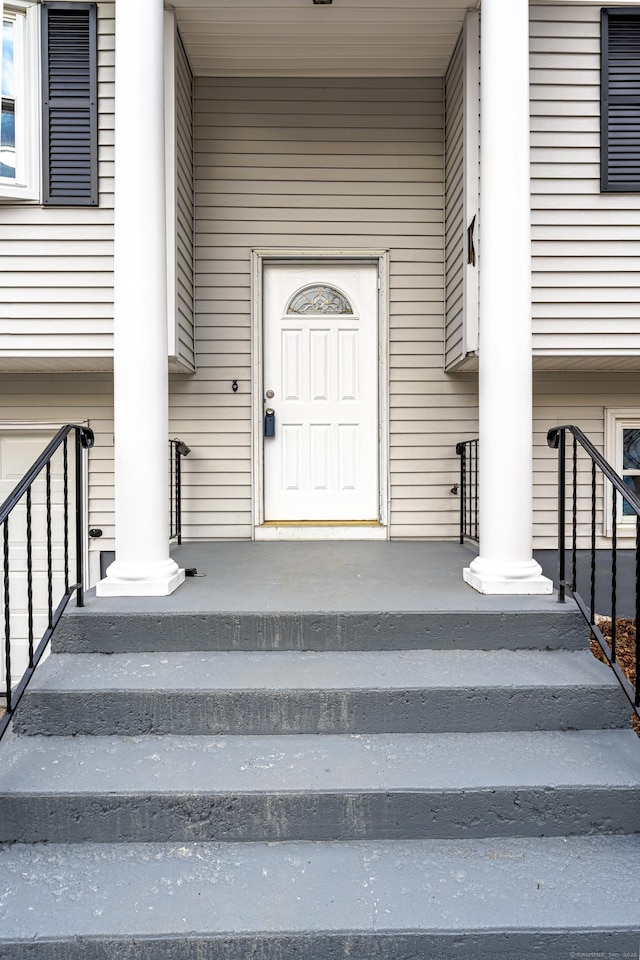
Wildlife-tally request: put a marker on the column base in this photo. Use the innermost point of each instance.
(514, 579)
(140, 580)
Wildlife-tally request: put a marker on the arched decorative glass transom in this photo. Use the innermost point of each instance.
(319, 298)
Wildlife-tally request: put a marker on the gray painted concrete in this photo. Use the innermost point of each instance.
(519, 897)
(625, 576)
(315, 787)
(503, 945)
(121, 632)
(532, 866)
(319, 596)
(399, 691)
(330, 576)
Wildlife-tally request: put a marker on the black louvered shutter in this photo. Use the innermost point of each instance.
(69, 104)
(620, 100)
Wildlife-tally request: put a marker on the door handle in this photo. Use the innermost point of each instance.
(269, 422)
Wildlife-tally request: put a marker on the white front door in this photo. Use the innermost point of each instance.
(321, 382)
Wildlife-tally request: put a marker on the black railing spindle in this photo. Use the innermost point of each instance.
(561, 520)
(637, 650)
(47, 473)
(80, 495)
(463, 489)
(574, 517)
(592, 594)
(65, 494)
(614, 568)
(178, 498)
(177, 450)
(29, 579)
(7, 615)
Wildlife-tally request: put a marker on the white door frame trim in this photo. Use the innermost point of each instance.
(277, 255)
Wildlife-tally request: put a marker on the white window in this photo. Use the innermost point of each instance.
(19, 127)
(622, 451)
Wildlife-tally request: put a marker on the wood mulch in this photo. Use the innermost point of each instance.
(625, 651)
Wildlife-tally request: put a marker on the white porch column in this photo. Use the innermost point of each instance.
(505, 564)
(141, 413)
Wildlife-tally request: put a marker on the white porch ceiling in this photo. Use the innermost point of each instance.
(295, 38)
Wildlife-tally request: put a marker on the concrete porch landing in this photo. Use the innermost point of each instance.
(326, 576)
(320, 596)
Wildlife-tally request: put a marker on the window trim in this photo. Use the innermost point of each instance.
(26, 185)
(606, 14)
(616, 419)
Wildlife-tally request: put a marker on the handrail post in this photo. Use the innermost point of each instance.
(7, 616)
(178, 497)
(561, 516)
(463, 492)
(79, 522)
(637, 650)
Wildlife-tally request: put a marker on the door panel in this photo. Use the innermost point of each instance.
(321, 362)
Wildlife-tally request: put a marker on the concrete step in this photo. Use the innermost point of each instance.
(127, 627)
(433, 900)
(407, 691)
(393, 786)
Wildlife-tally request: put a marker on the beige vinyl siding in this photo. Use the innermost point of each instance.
(454, 208)
(290, 38)
(185, 336)
(586, 284)
(32, 398)
(561, 397)
(310, 165)
(56, 284)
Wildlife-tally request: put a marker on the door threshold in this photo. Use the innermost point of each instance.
(321, 530)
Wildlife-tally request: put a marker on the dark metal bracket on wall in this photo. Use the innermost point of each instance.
(471, 248)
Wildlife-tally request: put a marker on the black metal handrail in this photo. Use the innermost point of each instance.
(467, 450)
(177, 450)
(23, 490)
(557, 440)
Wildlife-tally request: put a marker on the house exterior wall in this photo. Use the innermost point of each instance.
(56, 263)
(321, 164)
(56, 399)
(585, 243)
(585, 279)
(579, 398)
(312, 165)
